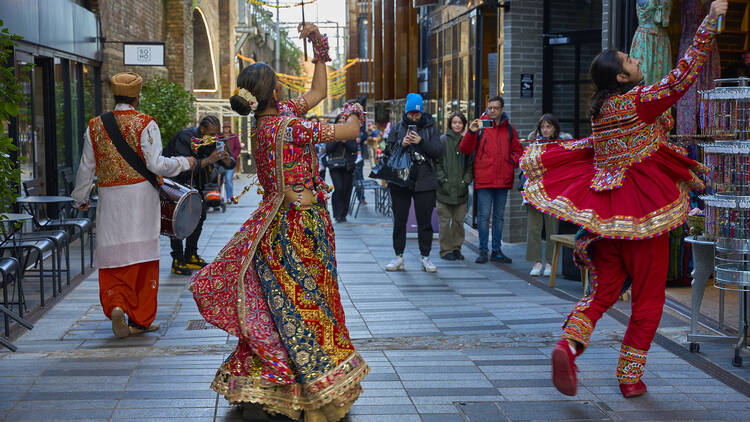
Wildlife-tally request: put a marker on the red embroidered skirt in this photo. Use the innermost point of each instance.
(652, 198)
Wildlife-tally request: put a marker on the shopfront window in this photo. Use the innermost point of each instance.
(25, 142)
(76, 116)
(89, 105)
(61, 103)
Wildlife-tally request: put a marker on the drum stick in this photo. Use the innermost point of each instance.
(719, 24)
(304, 41)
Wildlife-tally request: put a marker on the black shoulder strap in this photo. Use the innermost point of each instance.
(510, 133)
(130, 156)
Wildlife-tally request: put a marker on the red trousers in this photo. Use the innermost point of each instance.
(132, 288)
(646, 262)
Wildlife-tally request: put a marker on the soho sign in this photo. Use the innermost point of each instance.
(143, 53)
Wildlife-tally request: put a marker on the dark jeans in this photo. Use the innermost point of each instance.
(424, 203)
(342, 192)
(490, 200)
(191, 242)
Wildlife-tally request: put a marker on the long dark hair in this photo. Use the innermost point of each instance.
(551, 119)
(258, 78)
(604, 70)
(460, 116)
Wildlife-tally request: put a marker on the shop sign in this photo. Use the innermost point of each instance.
(143, 53)
(527, 85)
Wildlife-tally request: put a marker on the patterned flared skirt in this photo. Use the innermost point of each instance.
(296, 266)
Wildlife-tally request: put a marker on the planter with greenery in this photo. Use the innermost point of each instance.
(11, 96)
(170, 104)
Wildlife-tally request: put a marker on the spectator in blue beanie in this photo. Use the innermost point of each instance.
(416, 132)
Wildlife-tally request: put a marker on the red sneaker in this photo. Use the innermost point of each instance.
(564, 369)
(632, 390)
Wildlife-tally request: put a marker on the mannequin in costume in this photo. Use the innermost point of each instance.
(693, 12)
(275, 284)
(651, 45)
(626, 186)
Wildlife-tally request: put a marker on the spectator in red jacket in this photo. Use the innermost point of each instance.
(494, 143)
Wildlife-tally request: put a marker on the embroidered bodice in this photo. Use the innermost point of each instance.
(300, 160)
(631, 126)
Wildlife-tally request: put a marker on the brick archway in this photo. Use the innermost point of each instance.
(205, 77)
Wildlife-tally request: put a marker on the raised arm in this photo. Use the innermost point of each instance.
(319, 87)
(654, 100)
(155, 161)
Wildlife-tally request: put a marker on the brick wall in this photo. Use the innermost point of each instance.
(523, 54)
(128, 21)
(178, 36)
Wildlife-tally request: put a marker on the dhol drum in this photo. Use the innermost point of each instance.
(181, 209)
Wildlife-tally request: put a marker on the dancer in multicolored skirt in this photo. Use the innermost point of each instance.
(274, 285)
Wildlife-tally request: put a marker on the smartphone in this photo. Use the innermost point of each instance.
(220, 146)
(486, 123)
(411, 128)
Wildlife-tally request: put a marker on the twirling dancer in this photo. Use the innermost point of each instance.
(626, 186)
(274, 285)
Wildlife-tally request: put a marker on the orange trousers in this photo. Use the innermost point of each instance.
(132, 288)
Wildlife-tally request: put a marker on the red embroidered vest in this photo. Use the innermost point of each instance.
(111, 168)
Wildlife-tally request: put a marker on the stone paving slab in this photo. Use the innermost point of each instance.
(469, 343)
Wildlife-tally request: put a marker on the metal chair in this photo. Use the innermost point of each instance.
(10, 269)
(76, 226)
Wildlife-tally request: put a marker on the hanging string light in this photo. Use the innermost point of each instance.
(284, 5)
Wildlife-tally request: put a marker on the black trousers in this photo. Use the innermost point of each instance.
(424, 203)
(191, 242)
(343, 180)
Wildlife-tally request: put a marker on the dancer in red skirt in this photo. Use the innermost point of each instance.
(626, 186)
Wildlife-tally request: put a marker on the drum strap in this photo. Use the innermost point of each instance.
(130, 156)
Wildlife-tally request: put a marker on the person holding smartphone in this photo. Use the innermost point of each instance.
(417, 133)
(494, 143)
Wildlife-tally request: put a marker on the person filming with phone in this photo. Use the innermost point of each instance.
(416, 132)
(497, 150)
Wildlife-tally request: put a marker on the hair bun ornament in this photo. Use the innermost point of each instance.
(247, 96)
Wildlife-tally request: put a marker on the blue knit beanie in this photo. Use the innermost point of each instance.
(414, 103)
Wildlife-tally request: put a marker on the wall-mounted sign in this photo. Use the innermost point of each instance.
(143, 53)
(527, 85)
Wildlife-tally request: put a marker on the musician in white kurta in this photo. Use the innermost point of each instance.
(128, 211)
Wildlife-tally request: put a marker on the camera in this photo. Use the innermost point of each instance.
(486, 123)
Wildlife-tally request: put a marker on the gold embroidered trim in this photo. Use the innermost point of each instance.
(340, 386)
(327, 132)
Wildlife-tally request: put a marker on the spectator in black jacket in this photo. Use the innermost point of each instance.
(416, 132)
(208, 156)
(340, 157)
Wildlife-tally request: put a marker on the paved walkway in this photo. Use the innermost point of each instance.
(469, 343)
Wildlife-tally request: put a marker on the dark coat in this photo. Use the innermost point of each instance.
(348, 148)
(455, 171)
(181, 146)
(425, 176)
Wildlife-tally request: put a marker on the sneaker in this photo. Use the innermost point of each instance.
(459, 256)
(396, 264)
(547, 269)
(195, 262)
(450, 256)
(179, 268)
(536, 270)
(564, 369)
(427, 265)
(482, 258)
(498, 256)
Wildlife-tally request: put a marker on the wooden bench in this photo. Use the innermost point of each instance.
(568, 240)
